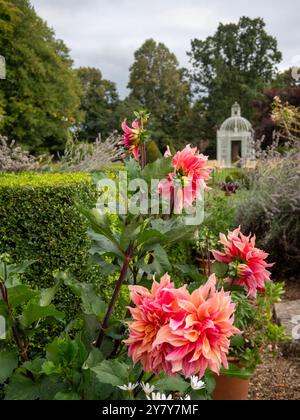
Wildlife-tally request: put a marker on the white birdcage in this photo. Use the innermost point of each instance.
(235, 140)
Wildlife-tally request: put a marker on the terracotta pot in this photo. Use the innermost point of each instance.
(231, 389)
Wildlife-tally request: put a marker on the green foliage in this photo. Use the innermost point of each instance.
(157, 169)
(24, 309)
(66, 372)
(244, 314)
(126, 109)
(255, 320)
(91, 303)
(168, 383)
(219, 269)
(34, 312)
(159, 85)
(112, 372)
(191, 128)
(219, 212)
(41, 93)
(39, 221)
(98, 104)
(182, 269)
(8, 363)
(32, 180)
(147, 238)
(232, 65)
(153, 152)
(227, 175)
(63, 375)
(237, 372)
(71, 369)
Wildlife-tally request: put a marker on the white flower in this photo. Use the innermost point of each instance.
(158, 396)
(186, 398)
(128, 388)
(147, 388)
(196, 383)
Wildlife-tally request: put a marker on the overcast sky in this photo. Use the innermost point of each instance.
(105, 33)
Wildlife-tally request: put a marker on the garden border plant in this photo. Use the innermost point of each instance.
(175, 335)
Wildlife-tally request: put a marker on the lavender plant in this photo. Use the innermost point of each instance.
(272, 206)
(87, 157)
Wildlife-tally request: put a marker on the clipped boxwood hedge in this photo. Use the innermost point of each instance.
(39, 221)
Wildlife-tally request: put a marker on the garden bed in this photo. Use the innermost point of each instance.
(276, 379)
(292, 289)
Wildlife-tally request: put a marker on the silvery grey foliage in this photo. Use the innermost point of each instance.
(14, 159)
(87, 157)
(271, 209)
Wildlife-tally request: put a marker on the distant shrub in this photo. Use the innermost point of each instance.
(153, 152)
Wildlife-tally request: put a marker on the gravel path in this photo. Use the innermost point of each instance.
(276, 379)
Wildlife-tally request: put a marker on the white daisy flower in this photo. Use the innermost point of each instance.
(147, 388)
(158, 396)
(128, 388)
(196, 383)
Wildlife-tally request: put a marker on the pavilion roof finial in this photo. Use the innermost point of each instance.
(236, 110)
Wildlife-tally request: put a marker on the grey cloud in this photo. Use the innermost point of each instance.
(105, 33)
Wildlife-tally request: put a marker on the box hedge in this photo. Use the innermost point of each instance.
(39, 221)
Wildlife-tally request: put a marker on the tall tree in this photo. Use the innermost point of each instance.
(98, 104)
(191, 128)
(159, 85)
(285, 88)
(41, 93)
(235, 64)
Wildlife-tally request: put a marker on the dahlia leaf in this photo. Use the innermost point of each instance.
(157, 170)
(8, 363)
(170, 384)
(112, 372)
(220, 269)
(235, 371)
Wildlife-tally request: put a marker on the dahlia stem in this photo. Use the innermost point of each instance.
(22, 345)
(120, 282)
(139, 380)
(144, 156)
(144, 151)
(208, 257)
(231, 286)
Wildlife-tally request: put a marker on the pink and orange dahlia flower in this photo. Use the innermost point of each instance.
(178, 332)
(188, 178)
(153, 310)
(131, 138)
(247, 262)
(201, 339)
